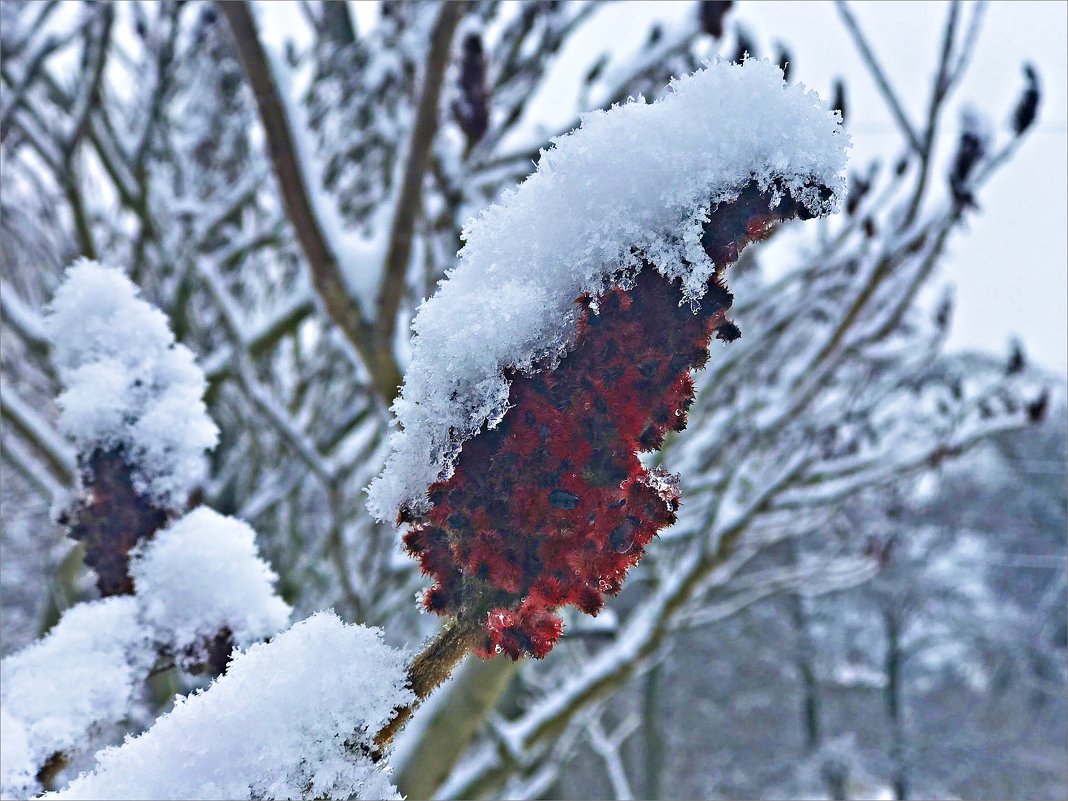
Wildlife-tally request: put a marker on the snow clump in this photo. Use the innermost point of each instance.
(127, 383)
(203, 573)
(83, 674)
(274, 726)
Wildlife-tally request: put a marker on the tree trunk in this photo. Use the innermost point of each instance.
(811, 714)
(651, 732)
(894, 706)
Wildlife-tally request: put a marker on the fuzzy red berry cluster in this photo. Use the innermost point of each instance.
(552, 507)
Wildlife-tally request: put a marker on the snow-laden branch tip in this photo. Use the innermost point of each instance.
(86, 672)
(199, 578)
(202, 574)
(280, 723)
(634, 182)
(127, 384)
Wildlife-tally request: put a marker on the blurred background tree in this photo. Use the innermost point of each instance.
(865, 591)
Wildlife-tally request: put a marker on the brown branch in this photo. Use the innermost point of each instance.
(409, 199)
(322, 261)
(94, 61)
(429, 669)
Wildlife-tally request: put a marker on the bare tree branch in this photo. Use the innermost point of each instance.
(322, 261)
(879, 75)
(391, 288)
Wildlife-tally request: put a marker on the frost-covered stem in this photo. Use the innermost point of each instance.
(938, 94)
(339, 552)
(19, 456)
(933, 236)
(429, 669)
(25, 321)
(164, 58)
(47, 444)
(810, 688)
(96, 53)
(322, 261)
(409, 200)
(608, 747)
(967, 48)
(27, 78)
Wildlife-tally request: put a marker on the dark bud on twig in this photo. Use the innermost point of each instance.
(970, 151)
(1027, 106)
(471, 109)
(1036, 409)
(744, 46)
(944, 313)
(784, 60)
(595, 71)
(1017, 361)
(712, 13)
(859, 187)
(838, 103)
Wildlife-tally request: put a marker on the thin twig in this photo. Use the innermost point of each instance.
(934, 107)
(881, 80)
(409, 199)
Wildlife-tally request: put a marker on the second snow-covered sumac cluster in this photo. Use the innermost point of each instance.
(552, 507)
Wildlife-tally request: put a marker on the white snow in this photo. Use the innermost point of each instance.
(274, 726)
(53, 693)
(194, 578)
(203, 573)
(640, 177)
(127, 382)
(18, 763)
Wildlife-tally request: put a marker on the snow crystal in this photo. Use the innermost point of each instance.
(274, 726)
(84, 673)
(127, 383)
(202, 573)
(640, 178)
(18, 763)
